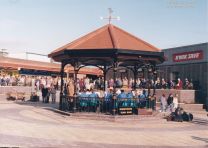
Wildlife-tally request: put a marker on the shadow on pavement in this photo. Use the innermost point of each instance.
(200, 121)
(46, 106)
(38, 104)
(200, 139)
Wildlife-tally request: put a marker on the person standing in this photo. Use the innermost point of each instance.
(171, 84)
(44, 94)
(153, 102)
(125, 83)
(122, 95)
(175, 101)
(170, 102)
(71, 88)
(163, 84)
(48, 94)
(191, 86)
(37, 83)
(33, 84)
(163, 103)
(81, 85)
(186, 85)
(53, 94)
(142, 99)
(94, 101)
(158, 84)
(107, 100)
(121, 98)
(111, 83)
(179, 84)
(87, 83)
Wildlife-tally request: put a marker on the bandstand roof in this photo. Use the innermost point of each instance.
(104, 42)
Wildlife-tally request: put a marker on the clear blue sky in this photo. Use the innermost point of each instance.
(43, 25)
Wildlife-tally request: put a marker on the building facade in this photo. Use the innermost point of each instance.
(189, 62)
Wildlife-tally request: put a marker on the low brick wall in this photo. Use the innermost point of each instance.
(5, 89)
(184, 96)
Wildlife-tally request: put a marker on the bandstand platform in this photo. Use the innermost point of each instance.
(114, 118)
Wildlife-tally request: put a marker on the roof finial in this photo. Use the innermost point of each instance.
(109, 18)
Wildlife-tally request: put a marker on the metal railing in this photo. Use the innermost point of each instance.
(100, 105)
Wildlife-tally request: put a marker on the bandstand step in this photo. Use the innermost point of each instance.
(144, 111)
(192, 107)
(112, 118)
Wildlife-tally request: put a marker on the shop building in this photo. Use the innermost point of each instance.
(14, 66)
(189, 62)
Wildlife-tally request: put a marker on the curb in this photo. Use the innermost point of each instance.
(57, 111)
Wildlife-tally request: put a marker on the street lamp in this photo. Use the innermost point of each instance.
(3, 52)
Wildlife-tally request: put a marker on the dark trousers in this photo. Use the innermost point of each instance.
(142, 104)
(152, 104)
(47, 99)
(44, 99)
(107, 106)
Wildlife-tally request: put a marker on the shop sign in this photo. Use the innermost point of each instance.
(188, 56)
(125, 111)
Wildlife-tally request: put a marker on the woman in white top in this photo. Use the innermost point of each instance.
(163, 102)
(87, 83)
(175, 101)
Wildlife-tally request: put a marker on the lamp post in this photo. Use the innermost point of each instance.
(149, 69)
(115, 66)
(3, 52)
(154, 79)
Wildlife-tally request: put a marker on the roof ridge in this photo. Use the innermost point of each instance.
(112, 36)
(137, 38)
(80, 38)
(89, 36)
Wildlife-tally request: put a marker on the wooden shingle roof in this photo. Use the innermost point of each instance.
(107, 37)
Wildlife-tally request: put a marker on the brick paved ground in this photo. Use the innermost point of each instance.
(32, 125)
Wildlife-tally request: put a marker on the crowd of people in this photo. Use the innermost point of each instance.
(88, 83)
(168, 103)
(90, 100)
(91, 95)
(49, 85)
(141, 83)
(177, 113)
(125, 95)
(27, 80)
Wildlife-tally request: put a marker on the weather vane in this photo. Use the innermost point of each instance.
(110, 18)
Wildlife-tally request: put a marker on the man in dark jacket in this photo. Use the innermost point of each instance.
(170, 102)
(44, 94)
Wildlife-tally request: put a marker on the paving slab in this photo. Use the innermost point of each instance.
(33, 125)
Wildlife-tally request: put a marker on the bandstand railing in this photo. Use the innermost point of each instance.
(100, 105)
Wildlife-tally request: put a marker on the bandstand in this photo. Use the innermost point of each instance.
(108, 48)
